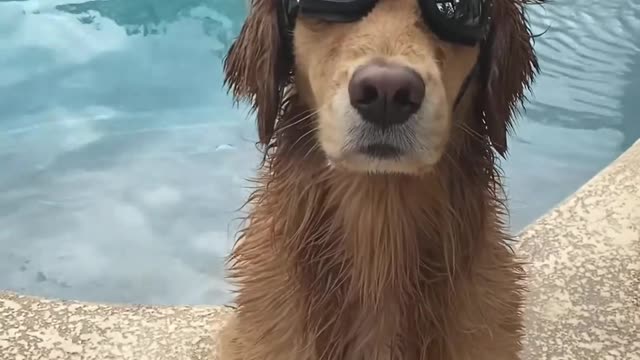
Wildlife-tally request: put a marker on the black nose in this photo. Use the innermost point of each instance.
(386, 94)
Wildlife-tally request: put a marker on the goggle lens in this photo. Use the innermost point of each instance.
(459, 21)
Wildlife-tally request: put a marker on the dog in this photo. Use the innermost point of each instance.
(376, 227)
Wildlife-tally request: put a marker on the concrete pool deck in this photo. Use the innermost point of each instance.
(583, 301)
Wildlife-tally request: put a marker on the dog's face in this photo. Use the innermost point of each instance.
(382, 88)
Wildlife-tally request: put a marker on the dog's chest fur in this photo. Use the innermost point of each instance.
(373, 270)
(373, 278)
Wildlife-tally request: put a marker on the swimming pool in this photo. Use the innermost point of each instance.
(124, 162)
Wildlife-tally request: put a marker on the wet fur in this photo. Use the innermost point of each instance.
(337, 265)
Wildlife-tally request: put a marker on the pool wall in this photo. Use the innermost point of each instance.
(583, 301)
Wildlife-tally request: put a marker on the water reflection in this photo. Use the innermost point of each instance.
(124, 160)
(575, 123)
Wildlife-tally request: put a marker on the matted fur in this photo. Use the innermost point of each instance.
(339, 265)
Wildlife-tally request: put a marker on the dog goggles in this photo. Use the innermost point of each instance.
(464, 22)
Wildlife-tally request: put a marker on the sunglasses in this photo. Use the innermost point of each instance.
(464, 22)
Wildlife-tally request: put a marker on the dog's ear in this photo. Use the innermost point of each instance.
(256, 66)
(508, 65)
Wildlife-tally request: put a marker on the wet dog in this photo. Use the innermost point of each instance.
(376, 228)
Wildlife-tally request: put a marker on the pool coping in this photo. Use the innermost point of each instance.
(583, 301)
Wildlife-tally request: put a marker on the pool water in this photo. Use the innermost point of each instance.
(123, 161)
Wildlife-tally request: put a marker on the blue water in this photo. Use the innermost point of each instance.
(123, 161)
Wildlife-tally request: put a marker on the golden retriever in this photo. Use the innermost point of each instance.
(376, 229)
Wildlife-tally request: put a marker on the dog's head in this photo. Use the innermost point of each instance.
(383, 81)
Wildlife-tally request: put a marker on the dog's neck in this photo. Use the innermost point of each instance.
(390, 231)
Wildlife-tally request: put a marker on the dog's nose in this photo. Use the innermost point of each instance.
(386, 94)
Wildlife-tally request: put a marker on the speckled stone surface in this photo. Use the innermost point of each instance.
(584, 277)
(37, 329)
(584, 299)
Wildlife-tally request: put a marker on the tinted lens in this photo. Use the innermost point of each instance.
(461, 21)
(465, 13)
(336, 10)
